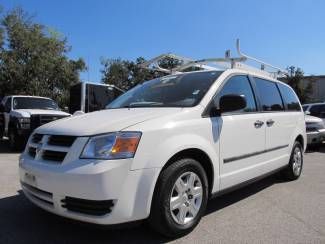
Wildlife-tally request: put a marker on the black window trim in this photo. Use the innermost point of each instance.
(257, 97)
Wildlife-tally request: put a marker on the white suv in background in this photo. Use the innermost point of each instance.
(163, 148)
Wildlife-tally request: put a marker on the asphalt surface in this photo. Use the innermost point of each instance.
(269, 211)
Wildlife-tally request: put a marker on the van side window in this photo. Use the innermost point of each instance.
(289, 98)
(269, 95)
(239, 85)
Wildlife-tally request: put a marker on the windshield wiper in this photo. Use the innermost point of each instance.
(142, 104)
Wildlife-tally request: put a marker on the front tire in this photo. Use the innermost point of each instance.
(15, 143)
(180, 198)
(294, 169)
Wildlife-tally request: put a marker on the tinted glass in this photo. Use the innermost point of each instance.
(269, 95)
(318, 111)
(184, 90)
(239, 85)
(289, 98)
(75, 98)
(34, 103)
(8, 105)
(305, 107)
(99, 96)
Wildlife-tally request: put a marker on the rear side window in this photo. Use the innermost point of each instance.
(239, 85)
(269, 95)
(318, 111)
(289, 98)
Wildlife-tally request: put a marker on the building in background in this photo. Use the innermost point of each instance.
(318, 94)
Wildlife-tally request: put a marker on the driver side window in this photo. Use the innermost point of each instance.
(8, 105)
(239, 85)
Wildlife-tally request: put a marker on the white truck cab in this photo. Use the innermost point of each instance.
(162, 149)
(20, 115)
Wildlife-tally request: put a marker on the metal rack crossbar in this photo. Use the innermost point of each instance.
(207, 64)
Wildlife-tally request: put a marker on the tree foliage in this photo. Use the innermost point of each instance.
(33, 59)
(126, 74)
(295, 79)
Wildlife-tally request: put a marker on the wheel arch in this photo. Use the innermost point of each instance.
(300, 139)
(200, 156)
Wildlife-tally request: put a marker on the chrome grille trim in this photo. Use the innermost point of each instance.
(51, 148)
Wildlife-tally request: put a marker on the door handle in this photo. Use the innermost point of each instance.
(270, 122)
(258, 123)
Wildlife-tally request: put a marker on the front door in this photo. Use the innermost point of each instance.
(242, 135)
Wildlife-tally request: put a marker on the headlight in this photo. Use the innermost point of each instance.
(24, 120)
(117, 145)
(24, 123)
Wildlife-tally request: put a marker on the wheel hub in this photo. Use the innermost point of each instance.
(186, 198)
(297, 161)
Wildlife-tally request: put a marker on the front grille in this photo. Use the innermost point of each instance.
(310, 129)
(63, 141)
(53, 155)
(49, 118)
(37, 138)
(52, 148)
(32, 151)
(37, 120)
(89, 207)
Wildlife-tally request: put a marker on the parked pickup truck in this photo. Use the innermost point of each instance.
(20, 115)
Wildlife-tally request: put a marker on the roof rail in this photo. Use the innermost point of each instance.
(207, 64)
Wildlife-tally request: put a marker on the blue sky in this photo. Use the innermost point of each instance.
(280, 32)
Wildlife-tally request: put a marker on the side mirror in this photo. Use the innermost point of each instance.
(232, 102)
(307, 112)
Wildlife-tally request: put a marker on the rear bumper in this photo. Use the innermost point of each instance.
(105, 193)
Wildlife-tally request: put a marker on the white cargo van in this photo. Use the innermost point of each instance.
(162, 149)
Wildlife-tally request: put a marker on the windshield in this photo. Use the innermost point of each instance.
(304, 107)
(183, 90)
(34, 103)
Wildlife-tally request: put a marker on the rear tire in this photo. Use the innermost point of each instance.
(180, 198)
(294, 169)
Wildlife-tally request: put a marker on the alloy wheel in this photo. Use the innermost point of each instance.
(186, 198)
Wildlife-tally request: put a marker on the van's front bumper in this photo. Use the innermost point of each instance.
(101, 192)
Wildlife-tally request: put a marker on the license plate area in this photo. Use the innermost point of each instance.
(30, 179)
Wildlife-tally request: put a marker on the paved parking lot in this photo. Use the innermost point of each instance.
(268, 211)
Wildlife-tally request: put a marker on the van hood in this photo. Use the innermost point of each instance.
(104, 121)
(26, 113)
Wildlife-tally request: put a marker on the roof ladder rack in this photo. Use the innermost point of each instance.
(205, 64)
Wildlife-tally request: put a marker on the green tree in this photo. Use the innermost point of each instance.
(126, 74)
(295, 78)
(33, 59)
